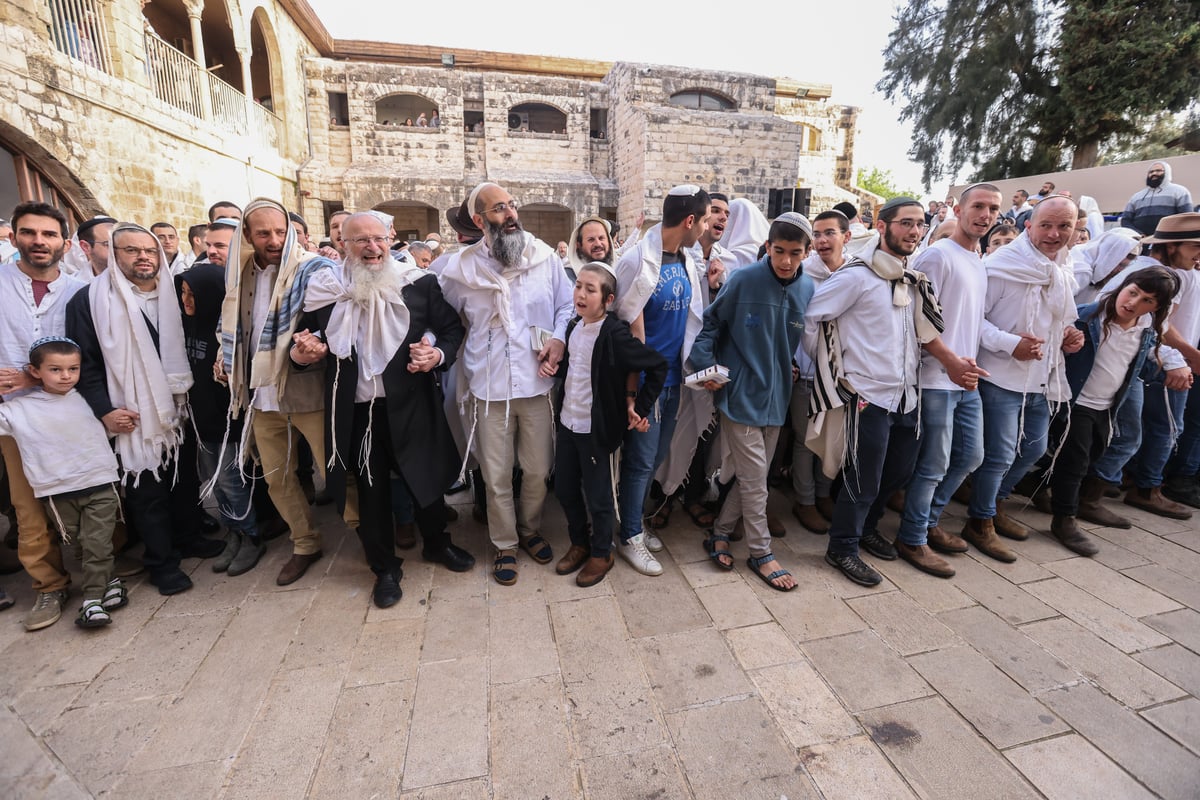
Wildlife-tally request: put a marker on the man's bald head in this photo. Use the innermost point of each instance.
(1051, 227)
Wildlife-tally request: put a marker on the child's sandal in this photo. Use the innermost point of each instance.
(115, 595)
(92, 615)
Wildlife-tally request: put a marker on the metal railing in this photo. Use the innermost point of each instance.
(77, 28)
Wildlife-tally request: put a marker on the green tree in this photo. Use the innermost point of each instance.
(881, 182)
(1147, 142)
(1018, 86)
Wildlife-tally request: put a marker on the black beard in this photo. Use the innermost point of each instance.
(506, 247)
(1154, 181)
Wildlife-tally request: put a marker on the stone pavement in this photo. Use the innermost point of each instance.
(1055, 676)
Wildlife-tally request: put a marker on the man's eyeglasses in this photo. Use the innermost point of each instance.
(500, 208)
(378, 241)
(909, 224)
(133, 252)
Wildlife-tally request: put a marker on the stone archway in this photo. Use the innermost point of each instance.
(413, 219)
(266, 73)
(30, 172)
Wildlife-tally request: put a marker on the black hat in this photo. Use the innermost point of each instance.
(848, 209)
(460, 220)
(84, 227)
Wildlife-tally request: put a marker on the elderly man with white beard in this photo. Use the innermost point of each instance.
(383, 406)
(516, 300)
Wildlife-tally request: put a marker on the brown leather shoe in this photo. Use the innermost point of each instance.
(573, 560)
(1152, 500)
(924, 559)
(810, 518)
(594, 571)
(1008, 527)
(981, 534)
(296, 566)
(775, 526)
(825, 507)
(406, 535)
(1069, 536)
(1093, 510)
(943, 541)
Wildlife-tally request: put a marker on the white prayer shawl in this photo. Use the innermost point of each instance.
(153, 383)
(1050, 285)
(745, 232)
(1096, 260)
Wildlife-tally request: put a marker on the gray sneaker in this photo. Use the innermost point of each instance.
(233, 541)
(46, 610)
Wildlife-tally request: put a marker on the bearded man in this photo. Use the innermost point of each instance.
(590, 241)
(383, 402)
(1161, 198)
(512, 292)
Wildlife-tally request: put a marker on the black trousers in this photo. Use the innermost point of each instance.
(376, 529)
(882, 463)
(583, 485)
(165, 510)
(1079, 442)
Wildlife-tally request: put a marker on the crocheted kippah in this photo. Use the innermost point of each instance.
(50, 339)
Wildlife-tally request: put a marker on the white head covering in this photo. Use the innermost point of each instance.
(746, 231)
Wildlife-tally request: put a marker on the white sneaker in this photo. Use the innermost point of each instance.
(653, 543)
(634, 551)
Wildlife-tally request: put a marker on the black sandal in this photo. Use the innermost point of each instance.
(710, 544)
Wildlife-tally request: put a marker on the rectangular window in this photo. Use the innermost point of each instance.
(78, 30)
(339, 108)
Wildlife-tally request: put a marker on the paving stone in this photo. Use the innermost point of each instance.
(902, 623)
(32, 772)
(930, 745)
(96, 742)
(38, 708)
(1146, 521)
(228, 688)
(1115, 556)
(521, 643)
(1183, 626)
(642, 773)
(656, 605)
(330, 628)
(1154, 547)
(733, 605)
(463, 790)
(998, 708)
(593, 642)
(455, 629)
(1175, 663)
(1008, 648)
(761, 646)
(1012, 603)
(812, 611)
(1136, 745)
(531, 754)
(1112, 587)
(147, 668)
(1069, 767)
(201, 780)
(853, 768)
(1179, 720)
(614, 714)
(691, 667)
(1116, 628)
(705, 573)
(731, 749)
(285, 743)
(440, 727)
(1172, 584)
(930, 593)
(366, 742)
(386, 651)
(1187, 539)
(855, 666)
(802, 705)
(1089, 655)
(1020, 571)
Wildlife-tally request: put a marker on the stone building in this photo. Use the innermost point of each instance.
(154, 110)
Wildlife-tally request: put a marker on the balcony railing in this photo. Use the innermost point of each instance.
(179, 81)
(78, 30)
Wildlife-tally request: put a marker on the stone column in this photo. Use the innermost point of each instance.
(244, 55)
(195, 8)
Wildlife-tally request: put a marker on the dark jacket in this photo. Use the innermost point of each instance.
(209, 400)
(616, 354)
(1079, 364)
(93, 377)
(423, 449)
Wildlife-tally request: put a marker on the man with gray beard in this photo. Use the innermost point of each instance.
(383, 406)
(513, 294)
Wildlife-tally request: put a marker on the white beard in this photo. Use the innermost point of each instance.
(368, 282)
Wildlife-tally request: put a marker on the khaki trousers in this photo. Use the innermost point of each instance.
(750, 449)
(275, 435)
(526, 431)
(36, 548)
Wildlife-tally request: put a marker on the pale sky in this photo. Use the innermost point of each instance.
(836, 43)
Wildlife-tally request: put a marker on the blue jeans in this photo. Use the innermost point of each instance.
(1127, 437)
(1015, 428)
(951, 447)
(1157, 442)
(234, 490)
(641, 456)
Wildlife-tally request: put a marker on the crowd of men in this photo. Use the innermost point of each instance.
(863, 364)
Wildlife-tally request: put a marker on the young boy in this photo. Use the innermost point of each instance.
(753, 328)
(70, 464)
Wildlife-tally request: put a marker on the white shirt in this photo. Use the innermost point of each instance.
(814, 268)
(576, 412)
(498, 368)
(960, 282)
(266, 398)
(879, 341)
(147, 303)
(64, 448)
(1185, 308)
(1114, 355)
(21, 322)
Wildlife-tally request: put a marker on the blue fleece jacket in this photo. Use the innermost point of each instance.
(753, 327)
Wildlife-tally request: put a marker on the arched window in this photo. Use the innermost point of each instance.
(702, 100)
(406, 110)
(536, 118)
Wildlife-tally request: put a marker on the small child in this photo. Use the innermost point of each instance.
(594, 411)
(69, 462)
(1119, 332)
